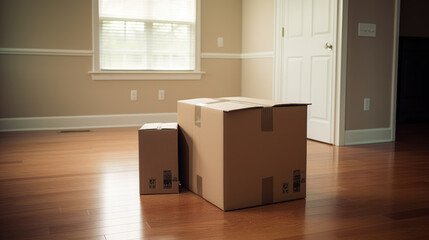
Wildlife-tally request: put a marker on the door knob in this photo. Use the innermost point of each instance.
(328, 46)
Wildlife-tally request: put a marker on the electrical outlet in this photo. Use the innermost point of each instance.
(161, 95)
(220, 42)
(133, 95)
(367, 30)
(366, 104)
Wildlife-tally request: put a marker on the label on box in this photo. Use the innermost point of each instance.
(296, 180)
(152, 183)
(168, 179)
(285, 188)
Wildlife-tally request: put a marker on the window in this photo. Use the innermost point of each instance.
(146, 36)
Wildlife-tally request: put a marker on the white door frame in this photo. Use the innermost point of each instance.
(395, 68)
(339, 73)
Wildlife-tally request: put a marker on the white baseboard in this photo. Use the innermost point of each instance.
(49, 52)
(365, 136)
(83, 122)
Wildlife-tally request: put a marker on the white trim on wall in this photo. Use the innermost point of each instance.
(198, 37)
(257, 55)
(238, 55)
(133, 75)
(95, 36)
(96, 43)
(83, 122)
(278, 53)
(221, 55)
(145, 75)
(395, 69)
(42, 51)
(340, 84)
(89, 53)
(365, 136)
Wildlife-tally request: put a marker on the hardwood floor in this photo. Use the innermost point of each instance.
(85, 186)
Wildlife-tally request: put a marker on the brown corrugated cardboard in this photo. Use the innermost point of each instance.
(243, 152)
(158, 158)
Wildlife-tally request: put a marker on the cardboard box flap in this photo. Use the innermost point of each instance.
(238, 152)
(159, 126)
(199, 101)
(220, 104)
(262, 102)
(228, 106)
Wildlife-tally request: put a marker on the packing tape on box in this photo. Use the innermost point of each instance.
(267, 119)
(198, 115)
(267, 190)
(267, 123)
(198, 110)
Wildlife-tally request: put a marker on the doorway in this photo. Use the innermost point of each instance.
(306, 65)
(413, 68)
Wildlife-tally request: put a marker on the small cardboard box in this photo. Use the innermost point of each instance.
(158, 158)
(242, 152)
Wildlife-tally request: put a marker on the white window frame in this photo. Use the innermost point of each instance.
(98, 74)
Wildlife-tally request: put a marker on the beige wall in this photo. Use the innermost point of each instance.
(257, 36)
(257, 75)
(34, 86)
(369, 62)
(258, 26)
(221, 18)
(369, 65)
(48, 24)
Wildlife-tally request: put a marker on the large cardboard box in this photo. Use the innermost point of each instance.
(242, 152)
(158, 158)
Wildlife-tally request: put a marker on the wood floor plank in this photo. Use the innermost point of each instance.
(84, 185)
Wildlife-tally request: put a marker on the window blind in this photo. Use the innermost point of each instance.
(147, 34)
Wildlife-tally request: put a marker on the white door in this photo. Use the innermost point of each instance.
(308, 61)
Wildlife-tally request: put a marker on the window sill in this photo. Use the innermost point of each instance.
(145, 75)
